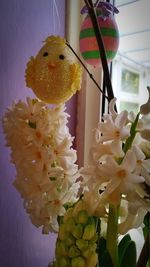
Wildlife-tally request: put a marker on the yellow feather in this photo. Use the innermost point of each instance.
(29, 73)
(76, 73)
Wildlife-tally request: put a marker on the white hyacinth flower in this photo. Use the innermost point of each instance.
(122, 178)
(41, 149)
(136, 209)
(114, 130)
(141, 161)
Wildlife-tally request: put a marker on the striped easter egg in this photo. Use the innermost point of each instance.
(88, 43)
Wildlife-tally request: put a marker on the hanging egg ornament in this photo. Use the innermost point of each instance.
(87, 40)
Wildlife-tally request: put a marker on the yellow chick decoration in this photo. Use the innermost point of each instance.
(53, 74)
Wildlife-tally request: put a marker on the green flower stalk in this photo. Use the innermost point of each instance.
(112, 234)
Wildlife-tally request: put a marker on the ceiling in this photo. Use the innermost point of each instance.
(134, 27)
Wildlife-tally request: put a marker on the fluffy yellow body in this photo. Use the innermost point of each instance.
(53, 74)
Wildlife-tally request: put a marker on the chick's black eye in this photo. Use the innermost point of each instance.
(45, 54)
(61, 56)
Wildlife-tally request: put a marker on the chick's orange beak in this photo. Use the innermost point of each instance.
(51, 65)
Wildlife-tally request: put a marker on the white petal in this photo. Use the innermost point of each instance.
(124, 132)
(146, 164)
(139, 218)
(112, 186)
(110, 168)
(129, 161)
(138, 152)
(133, 178)
(145, 134)
(127, 224)
(145, 146)
(146, 175)
(112, 109)
(121, 119)
(131, 116)
(116, 147)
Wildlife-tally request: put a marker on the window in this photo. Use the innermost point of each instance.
(130, 81)
(131, 67)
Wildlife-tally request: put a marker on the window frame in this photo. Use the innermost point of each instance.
(89, 97)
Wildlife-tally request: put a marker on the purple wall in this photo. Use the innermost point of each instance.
(24, 24)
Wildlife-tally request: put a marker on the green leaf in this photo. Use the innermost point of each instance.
(147, 219)
(102, 245)
(103, 254)
(146, 228)
(129, 256)
(123, 245)
(106, 260)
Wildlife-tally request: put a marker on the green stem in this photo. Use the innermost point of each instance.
(130, 139)
(112, 234)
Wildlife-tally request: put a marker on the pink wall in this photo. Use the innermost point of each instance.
(24, 24)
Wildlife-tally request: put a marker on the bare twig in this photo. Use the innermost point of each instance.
(90, 75)
(98, 35)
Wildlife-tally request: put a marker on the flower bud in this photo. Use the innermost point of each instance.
(82, 217)
(89, 232)
(63, 262)
(88, 252)
(92, 260)
(82, 244)
(73, 252)
(62, 232)
(79, 206)
(78, 262)
(69, 225)
(68, 214)
(61, 249)
(78, 231)
(70, 240)
(76, 239)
